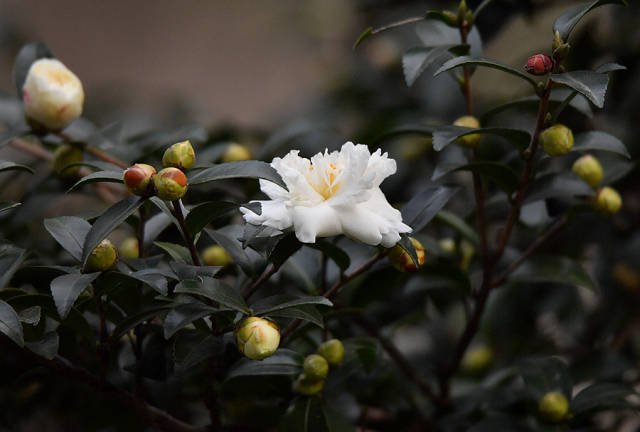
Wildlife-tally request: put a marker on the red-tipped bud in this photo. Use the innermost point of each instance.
(138, 178)
(402, 261)
(539, 64)
(170, 183)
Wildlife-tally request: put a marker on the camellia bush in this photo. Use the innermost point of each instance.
(186, 282)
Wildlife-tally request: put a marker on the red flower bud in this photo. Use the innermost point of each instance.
(137, 178)
(539, 64)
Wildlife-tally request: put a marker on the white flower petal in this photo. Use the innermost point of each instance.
(274, 214)
(317, 221)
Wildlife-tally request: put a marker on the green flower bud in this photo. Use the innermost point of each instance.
(308, 387)
(236, 152)
(257, 338)
(462, 9)
(103, 257)
(448, 245)
(333, 351)
(470, 122)
(607, 201)
(588, 169)
(556, 140)
(216, 256)
(402, 261)
(138, 179)
(315, 367)
(553, 407)
(450, 18)
(64, 156)
(170, 184)
(477, 360)
(129, 248)
(179, 155)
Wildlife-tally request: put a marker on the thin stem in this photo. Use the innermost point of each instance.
(254, 287)
(464, 31)
(177, 207)
(105, 157)
(32, 149)
(141, 227)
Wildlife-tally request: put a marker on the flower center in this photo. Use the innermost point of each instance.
(326, 180)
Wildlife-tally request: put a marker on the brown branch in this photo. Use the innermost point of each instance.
(177, 207)
(105, 157)
(253, 288)
(32, 149)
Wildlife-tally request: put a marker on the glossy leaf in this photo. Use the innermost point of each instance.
(99, 176)
(503, 175)
(30, 315)
(234, 248)
(201, 215)
(416, 60)
(459, 225)
(12, 166)
(183, 315)
(601, 396)
(241, 169)
(215, 290)
(11, 257)
(478, 61)
(176, 251)
(303, 312)
(136, 319)
(187, 271)
(591, 84)
(557, 186)
(337, 255)
(423, 207)
(286, 247)
(110, 219)
(65, 290)
(558, 96)
(407, 245)
(46, 347)
(569, 18)
(267, 305)
(283, 362)
(70, 232)
(596, 140)
(10, 323)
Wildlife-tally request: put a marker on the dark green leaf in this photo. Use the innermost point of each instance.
(26, 56)
(183, 315)
(436, 33)
(558, 96)
(70, 232)
(408, 247)
(267, 305)
(543, 375)
(459, 225)
(100, 176)
(418, 212)
(610, 67)
(591, 84)
(186, 271)
(65, 290)
(110, 219)
(569, 18)
(234, 248)
(201, 215)
(596, 140)
(304, 312)
(445, 135)
(601, 396)
(478, 61)
(177, 252)
(208, 347)
(337, 255)
(10, 323)
(503, 175)
(557, 186)
(11, 257)
(556, 269)
(12, 166)
(46, 347)
(241, 169)
(286, 247)
(133, 320)
(30, 315)
(283, 362)
(152, 279)
(215, 290)
(416, 60)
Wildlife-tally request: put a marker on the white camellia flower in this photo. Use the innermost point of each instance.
(52, 94)
(330, 194)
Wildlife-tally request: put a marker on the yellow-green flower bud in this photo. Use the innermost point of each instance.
(138, 179)
(103, 257)
(588, 169)
(556, 140)
(607, 201)
(402, 261)
(448, 245)
(216, 256)
(64, 156)
(553, 407)
(471, 140)
(333, 351)
(462, 9)
(477, 360)
(315, 367)
(170, 184)
(236, 152)
(179, 155)
(308, 387)
(257, 338)
(129, 248)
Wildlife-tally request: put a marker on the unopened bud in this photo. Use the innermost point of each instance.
(553, 407)
(448, 245)
(539, 64)
(450, 18)
(129, 248)
(556, 140)
(607, 201)
(216, 256)
(138, 179)
(236, 152)
(179, 155)
(52, 94)
(477, 360)
(333, 351)
(471, 140)
(170, 184)
(257, 338)
(402, 261)
(315, 367)
(308, 387)
(64, 156)
(103, 257)
(588, 169)
(462, 9)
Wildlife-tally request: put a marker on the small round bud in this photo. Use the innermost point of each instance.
(236, 152)
(138, 179)
(170, 184)
(556, 140)
(477, 360)
(129, 248)
(553, 407)
(257, 338)
(607, 201)
(333, 351)
(179, 155)
(471, 140)
(308, 387)
(448, 245)
(315, 367)
(216, 256)
(103, 257)
(53, 95)
(402, 261)
(64, 156)
(539, 64)
(588, 169)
